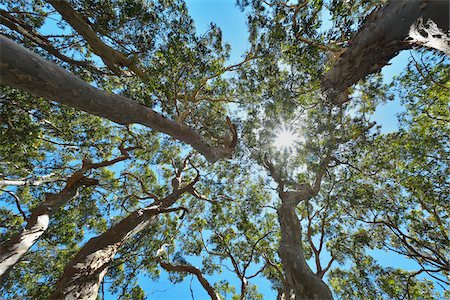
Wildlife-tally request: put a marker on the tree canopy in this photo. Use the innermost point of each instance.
(132, 150)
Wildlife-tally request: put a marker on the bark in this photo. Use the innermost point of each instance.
(28, 182)
(25, 70)
(27, 31)
(300, 282)
(399, 25)
(195, 271)
(299, 276)
(83, 275)
(111, 57)
(37, 223)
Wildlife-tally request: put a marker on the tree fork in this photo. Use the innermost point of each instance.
(12, 251)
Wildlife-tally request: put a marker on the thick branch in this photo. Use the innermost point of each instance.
(399, 25)
(27, 31)
(37, 223)
(82, 277)
(28, 182)
(25, 70)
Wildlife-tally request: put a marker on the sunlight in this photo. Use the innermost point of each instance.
(285, 139)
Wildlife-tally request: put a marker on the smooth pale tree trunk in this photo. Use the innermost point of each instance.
(399, 25)
(300, 279)
(25, 70)
(18, 245)
(83, 275)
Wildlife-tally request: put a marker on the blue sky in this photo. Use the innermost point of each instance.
(232, 21)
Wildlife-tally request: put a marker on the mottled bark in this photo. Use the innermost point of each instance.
(195, 271)
(37, 223)
(25, 70)
(300, 282)
(399, 25)
(83, 275)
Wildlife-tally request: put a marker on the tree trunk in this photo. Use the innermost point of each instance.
(399, 25)
(300, 278)
(17, 246)
(25, 70)
(83, 275)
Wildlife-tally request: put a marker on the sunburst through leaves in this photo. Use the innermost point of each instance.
(285, 139)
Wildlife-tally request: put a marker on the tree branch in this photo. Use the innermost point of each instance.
(27, 31)
(25, 70)
(17, 201)
(111, 57)
(195, 271)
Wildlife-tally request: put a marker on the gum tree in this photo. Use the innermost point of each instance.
(106, 77)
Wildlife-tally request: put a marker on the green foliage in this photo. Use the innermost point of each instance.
(381, 191)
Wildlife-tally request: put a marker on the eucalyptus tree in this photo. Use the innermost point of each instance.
(305, 83)
(185, 84)
(179, 73)
(41, 181)
(37, 222)
(338, 187)
(400, 181)
(224, 241)
(235, 232)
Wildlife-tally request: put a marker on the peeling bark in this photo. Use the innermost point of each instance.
(17, 246)
(25, 70)
(399, 25)
(84, 274)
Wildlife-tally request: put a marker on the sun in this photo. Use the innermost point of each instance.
(285, 139)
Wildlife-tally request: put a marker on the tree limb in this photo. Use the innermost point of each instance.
(397, 26)
(111, 57)
(195, 271)
(23, 69)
